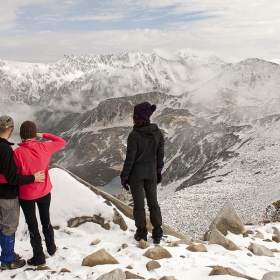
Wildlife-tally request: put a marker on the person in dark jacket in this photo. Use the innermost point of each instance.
(142, 170)
(9, 190)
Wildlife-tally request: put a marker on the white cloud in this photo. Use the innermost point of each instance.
(234, 30)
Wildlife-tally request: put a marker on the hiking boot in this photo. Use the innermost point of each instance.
(156, 240)
(17, 256)
(138, 237)
(18, 263)
(34, 262)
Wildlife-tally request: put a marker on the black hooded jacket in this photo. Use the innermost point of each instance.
(9, 169)
(145, 146)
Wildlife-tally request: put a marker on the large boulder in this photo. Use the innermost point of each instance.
(228, 220)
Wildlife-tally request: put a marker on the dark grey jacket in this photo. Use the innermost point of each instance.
(9, 169)
(145, 146)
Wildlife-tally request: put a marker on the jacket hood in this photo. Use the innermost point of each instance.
(149, 130)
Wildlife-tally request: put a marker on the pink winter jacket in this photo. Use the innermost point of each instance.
(32, 156)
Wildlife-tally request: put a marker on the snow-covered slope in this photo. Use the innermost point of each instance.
(71, 199)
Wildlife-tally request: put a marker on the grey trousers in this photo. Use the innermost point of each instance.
(9, 215)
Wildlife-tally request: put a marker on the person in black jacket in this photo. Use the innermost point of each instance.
(142, 170)
(9, 190)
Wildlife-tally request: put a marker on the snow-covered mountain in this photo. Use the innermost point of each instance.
(220, 121)
(90, 78)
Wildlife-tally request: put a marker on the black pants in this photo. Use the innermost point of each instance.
(143, 187)
(28, 208)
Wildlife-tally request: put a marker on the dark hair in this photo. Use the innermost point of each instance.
(139, 123)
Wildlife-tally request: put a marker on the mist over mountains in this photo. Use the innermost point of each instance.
(211, 112)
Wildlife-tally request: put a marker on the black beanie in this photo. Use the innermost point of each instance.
(143, 111)
(28, 130)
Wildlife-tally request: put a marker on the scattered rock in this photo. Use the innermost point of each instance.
(129, 267)
(124, 246)
(186, 241)
(167, 278)
(143, 244)
(275, 250)
(273, 275)
(197, 248)
(275, 230)
(276, 238)
(130, 275)
(217, 238)
(101, 221)
(99, 257)
(259, 235)
(151, 265)
(119, 220)
(220, 270)
(228, 220)
(95, 242)
(114, 274)
(173, 244)
(64, 270)
(42, 267)
(260, 250)
(157, 253)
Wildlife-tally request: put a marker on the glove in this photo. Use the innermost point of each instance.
(124, 182)
(159, 176)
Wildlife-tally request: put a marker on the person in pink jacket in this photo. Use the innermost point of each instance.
(33, 155)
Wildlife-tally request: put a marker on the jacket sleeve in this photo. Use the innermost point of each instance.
(56, 143)
(131, 151)
(9, 169)
(160, 152)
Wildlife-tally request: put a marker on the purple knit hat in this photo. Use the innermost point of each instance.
(143, 111)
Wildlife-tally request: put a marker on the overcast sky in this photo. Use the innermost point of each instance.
(45, 30)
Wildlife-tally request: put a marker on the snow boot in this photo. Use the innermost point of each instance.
(38, 254)
(156, 221)
(140, 223)
(49, 239)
